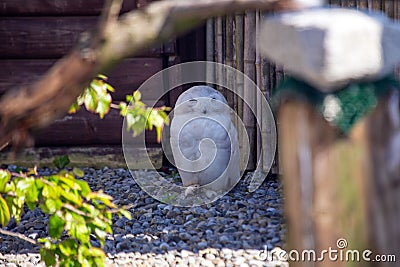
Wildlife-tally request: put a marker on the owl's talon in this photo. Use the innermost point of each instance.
(191, 189)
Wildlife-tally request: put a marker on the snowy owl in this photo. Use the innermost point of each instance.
(204, 140)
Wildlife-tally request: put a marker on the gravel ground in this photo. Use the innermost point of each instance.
(236, 230)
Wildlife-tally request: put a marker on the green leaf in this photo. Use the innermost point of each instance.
(53, 205)
(82, 253)
(156, 119)
(4, 212)
(79, 231)
(50, 191)
(99, 262)
(74, 107)
(135, 122)
(26, 187)
(137, 95)
(91, 100)
(61, 162)
(39, 184)
(31, 205)
(126, 214)
(103, 106)
(106, 199)
(159, 132)
(48, 256)
(88, 208)
(81, 99)
(164, 115)
(96, 96)
(99, 223)
(71, 197)
(15, 205)
(78, 172)
(128, 98)
(123, 107)
(68, 247)
(46, 243)
(85, 189)
(69, 181)
(5, 176)
(101, 235)
(10, 187)
(56, 226)
(18, 170)
(109, 87)
(70, 262)
(96, 252)
(32, 193)
(102, 77)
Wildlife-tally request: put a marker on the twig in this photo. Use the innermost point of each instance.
(163, 108)
(73, 209)
(20, 236)
(114, 106)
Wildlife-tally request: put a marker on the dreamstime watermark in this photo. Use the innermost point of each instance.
(233, 81)
(340, 253)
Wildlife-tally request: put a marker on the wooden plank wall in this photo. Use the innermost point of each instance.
(35, 33)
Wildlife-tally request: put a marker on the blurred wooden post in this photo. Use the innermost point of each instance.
(339, 187)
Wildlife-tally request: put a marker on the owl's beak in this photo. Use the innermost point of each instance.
(203, 108)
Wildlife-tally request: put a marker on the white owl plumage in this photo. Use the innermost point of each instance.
(204, 140)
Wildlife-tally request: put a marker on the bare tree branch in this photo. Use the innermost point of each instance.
(20, 236)
(113, 40)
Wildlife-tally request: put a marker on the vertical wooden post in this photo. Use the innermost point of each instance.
(383, 182)
(342, 187)
(210, 48)
(261, 146)
(249, 69)
(229, 58)
(219, 49)
(239, 86)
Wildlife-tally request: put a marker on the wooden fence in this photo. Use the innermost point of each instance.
(36, 33)
(33, 35)
(232, 41)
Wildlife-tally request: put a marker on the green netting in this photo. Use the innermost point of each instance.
(344, 107)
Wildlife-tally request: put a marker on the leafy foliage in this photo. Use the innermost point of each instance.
(97, 99)
(61, 162)
(76, 213)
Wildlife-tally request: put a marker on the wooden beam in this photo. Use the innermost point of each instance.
(47, 37)
(92, 130)
(58, 7)
(126, 77)
(90, 156)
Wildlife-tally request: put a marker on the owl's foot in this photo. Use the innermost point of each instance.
(191, 189)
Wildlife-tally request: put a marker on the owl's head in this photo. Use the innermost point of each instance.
(201, 100)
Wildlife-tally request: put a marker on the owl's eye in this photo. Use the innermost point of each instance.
(192, 100)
